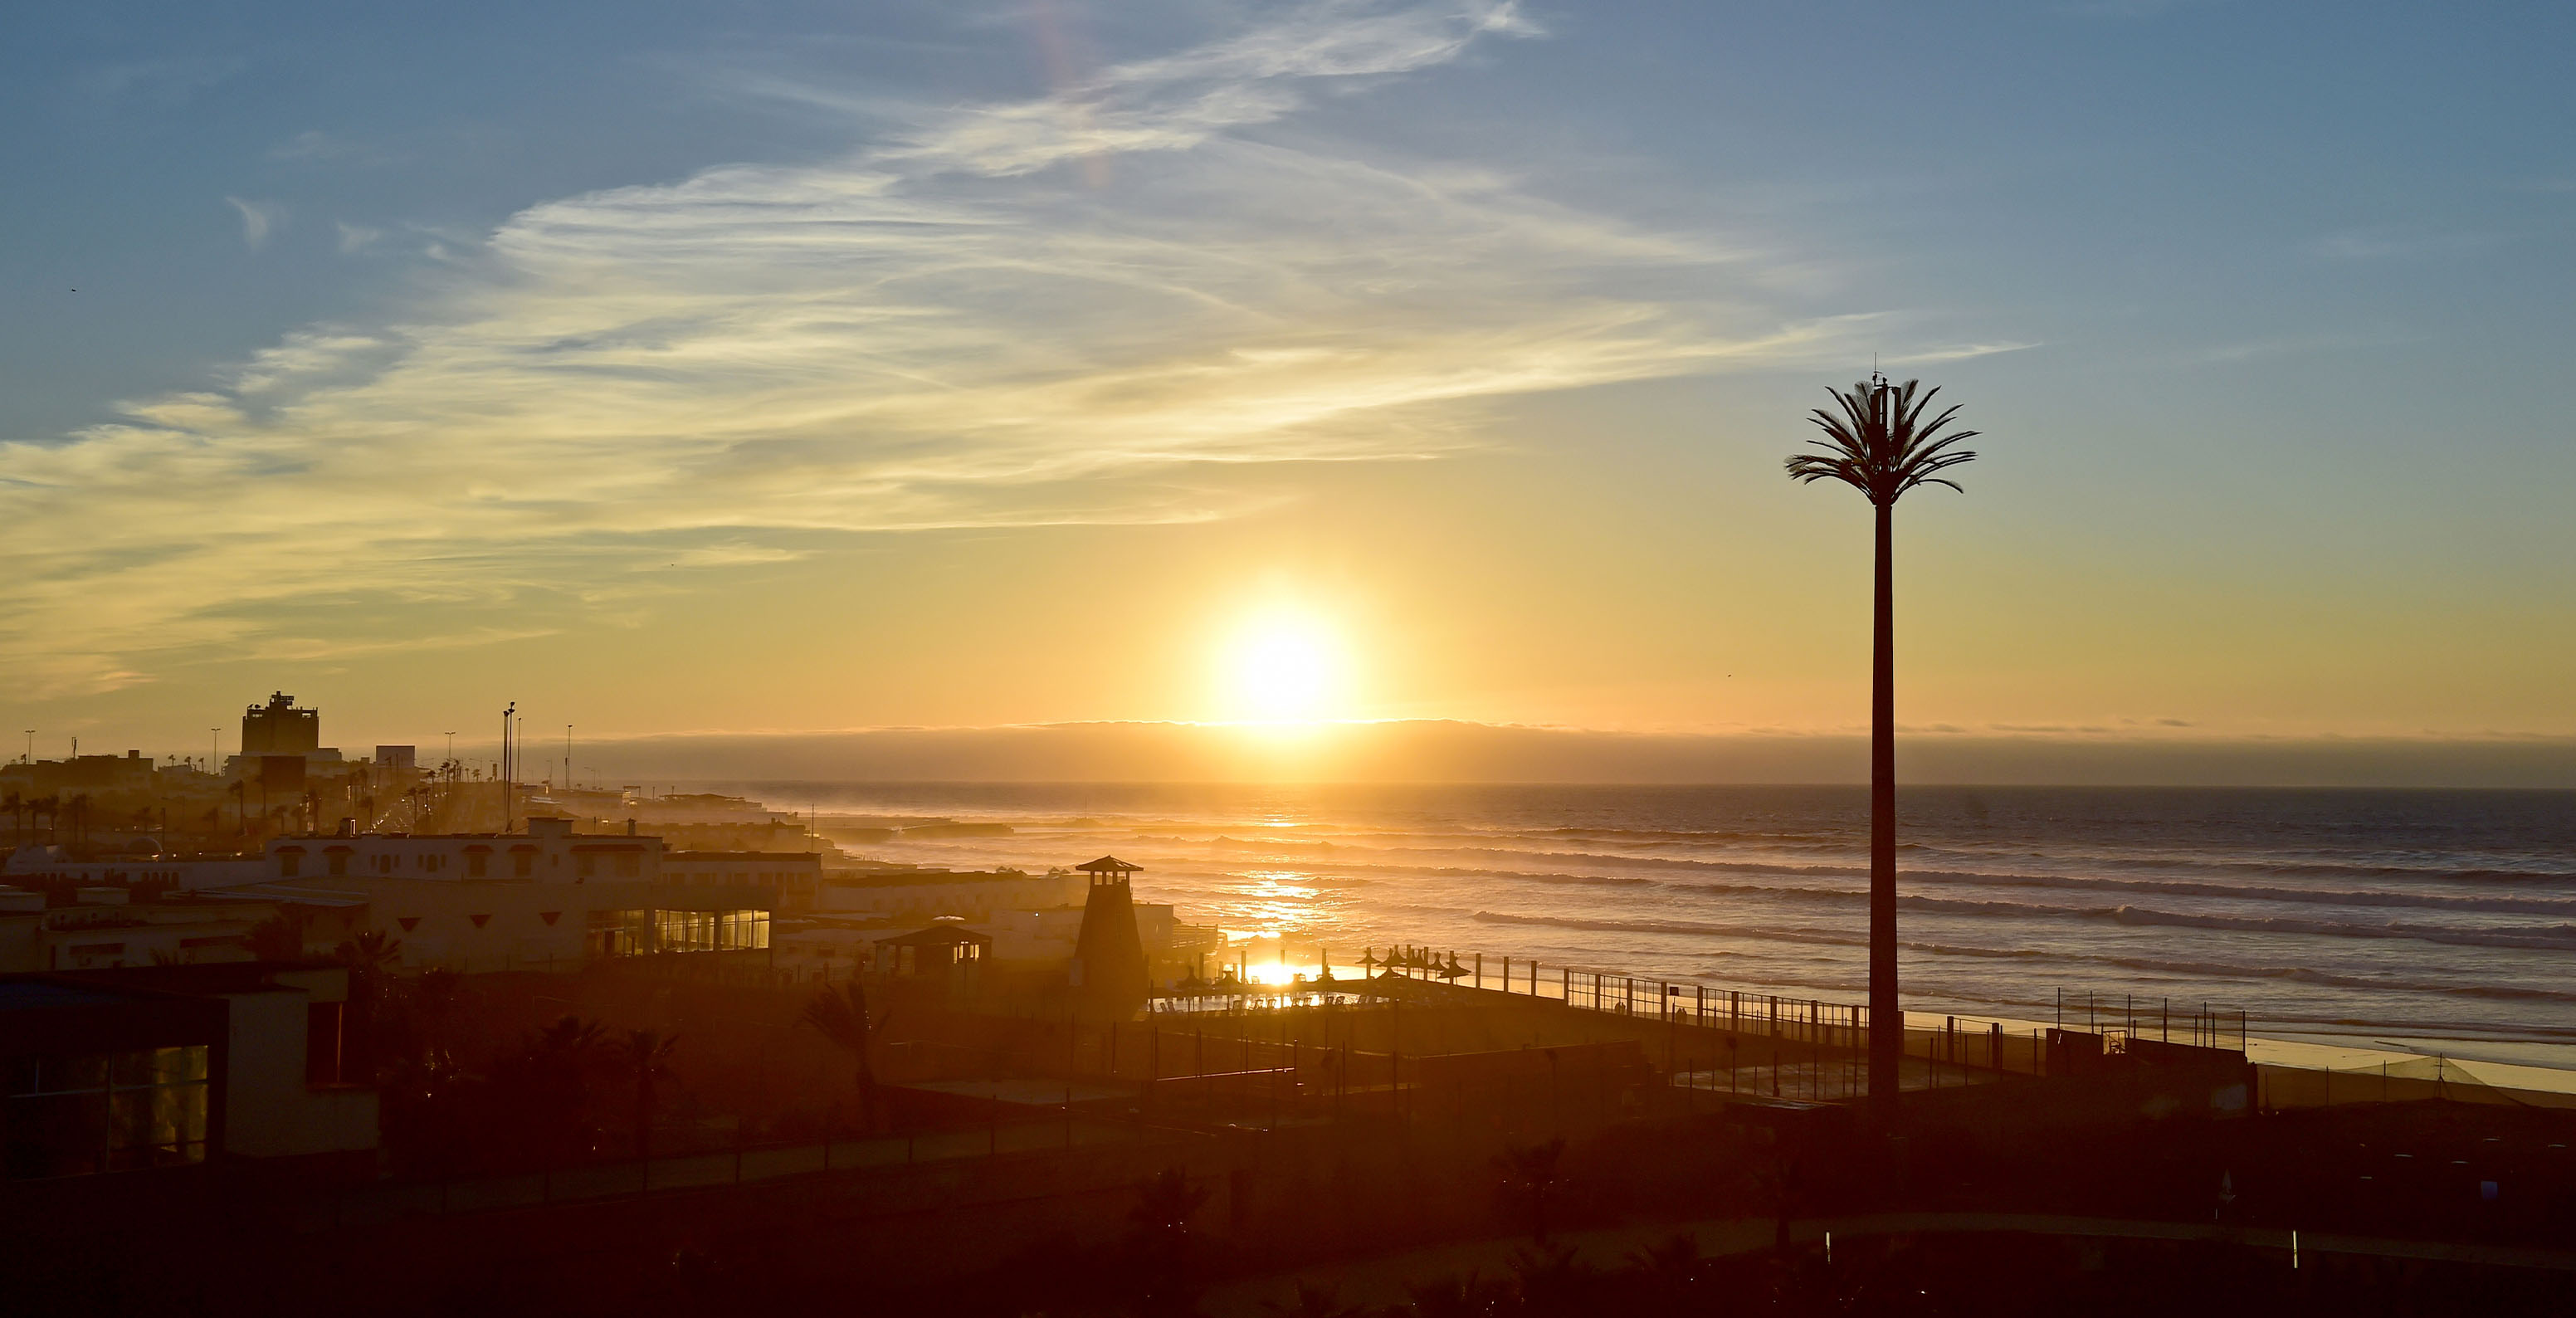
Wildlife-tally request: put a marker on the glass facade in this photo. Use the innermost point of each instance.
(102, 1112)
(637, 933)
(711, 931)
(620, 933)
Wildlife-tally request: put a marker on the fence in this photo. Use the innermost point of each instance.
(2086, 1027)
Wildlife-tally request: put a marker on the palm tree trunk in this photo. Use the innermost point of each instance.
(1886, 1019)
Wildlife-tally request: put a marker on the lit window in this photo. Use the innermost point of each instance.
(73, 1116)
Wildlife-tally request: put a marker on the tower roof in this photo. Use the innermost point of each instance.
(1108, 865)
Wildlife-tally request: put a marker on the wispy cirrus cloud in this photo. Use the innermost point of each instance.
(258, 219)
(956, 325)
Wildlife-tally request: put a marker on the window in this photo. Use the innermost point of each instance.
(628, 865)
(585, 864)
(477, 864)
(619, 933)
(684, 931)
(337, 861)
(711, 931)
(743, 931)
(522, 864)
(324, 1037)
(289, 864)
(79, 1115)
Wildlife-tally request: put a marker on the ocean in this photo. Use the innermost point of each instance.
(2423, 921)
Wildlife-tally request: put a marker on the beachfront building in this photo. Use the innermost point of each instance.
(169, 1067)
(795, 876)
(908, 895)
(492, 925)
(104, 929)
(549, 852)
(50, 867)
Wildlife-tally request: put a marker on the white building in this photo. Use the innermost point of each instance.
(549, 852)
(794, 875)
(918, 896)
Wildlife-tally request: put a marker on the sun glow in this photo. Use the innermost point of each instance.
(1284, 668)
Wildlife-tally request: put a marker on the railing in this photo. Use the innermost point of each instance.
(2091, 1025)
(2128, 1017)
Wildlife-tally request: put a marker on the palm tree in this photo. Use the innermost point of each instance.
(1163, 1244)
(1534, 1172)
(1881, 446)
(17, 808)
(648, 1054)
(843, 1019)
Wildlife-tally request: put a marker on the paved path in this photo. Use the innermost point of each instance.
(1382, 1280)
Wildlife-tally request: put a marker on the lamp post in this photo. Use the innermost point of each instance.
(508, 779)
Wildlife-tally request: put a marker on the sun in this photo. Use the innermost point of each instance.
(1284, 667)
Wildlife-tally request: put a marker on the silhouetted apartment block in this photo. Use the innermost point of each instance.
(170, 1066)
(279, 728)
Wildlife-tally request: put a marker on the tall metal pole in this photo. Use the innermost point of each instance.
(1886, 1017)
(509, 778)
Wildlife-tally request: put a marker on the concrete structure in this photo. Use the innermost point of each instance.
(549, 852)
(103, 930)
(912, 895)
(479, 926)
(46, 866)
(944, 948)
(279, 728)
(795, 876)
(166, 1067)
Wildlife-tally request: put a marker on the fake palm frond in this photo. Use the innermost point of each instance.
(1881, 445)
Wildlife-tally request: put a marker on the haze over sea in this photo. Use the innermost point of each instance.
(2423, 920)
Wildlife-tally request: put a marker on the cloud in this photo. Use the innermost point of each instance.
(735, 553)
(956, 325)
(1179, 101)
(1957, 352)
(258, 219)
(356, 237)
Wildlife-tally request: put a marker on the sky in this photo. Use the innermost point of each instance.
(775, 367)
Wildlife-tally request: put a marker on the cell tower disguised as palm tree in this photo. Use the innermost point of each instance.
(1881, 446)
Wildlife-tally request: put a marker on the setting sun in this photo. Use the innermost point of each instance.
(1283, 668)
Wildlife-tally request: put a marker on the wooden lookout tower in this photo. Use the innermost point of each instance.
(1108, 976)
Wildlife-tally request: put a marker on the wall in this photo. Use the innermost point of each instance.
(270, 1112)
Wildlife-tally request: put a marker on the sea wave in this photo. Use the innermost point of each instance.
(1764, 933)
(2561, 937)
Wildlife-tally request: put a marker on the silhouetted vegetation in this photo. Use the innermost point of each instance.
(841, 1016)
